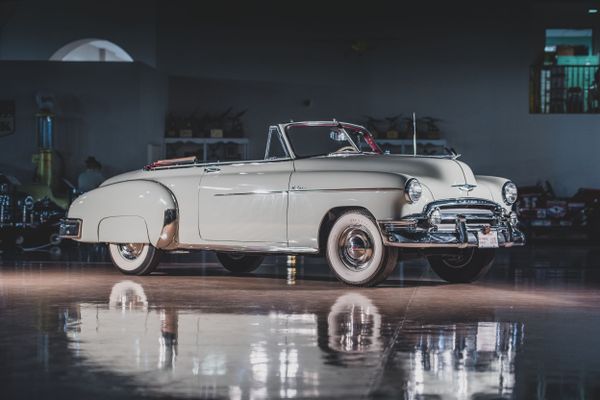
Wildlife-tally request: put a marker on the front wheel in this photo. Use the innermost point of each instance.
(355, 251)
(239, 263)
(465, 266)
(134, 258)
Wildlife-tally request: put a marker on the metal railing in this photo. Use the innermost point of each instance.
(564, 89)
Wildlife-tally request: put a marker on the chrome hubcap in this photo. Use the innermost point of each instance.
(131, 251)
(356, 247)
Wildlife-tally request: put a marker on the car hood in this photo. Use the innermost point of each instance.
(444, 177)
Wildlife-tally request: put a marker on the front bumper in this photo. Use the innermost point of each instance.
(462, 223)
(70, 228)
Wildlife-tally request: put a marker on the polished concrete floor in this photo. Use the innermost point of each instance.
(81, 330)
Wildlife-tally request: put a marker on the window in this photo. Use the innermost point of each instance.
(275, 148)
(566, 79)
(91, 50)
(313, 141)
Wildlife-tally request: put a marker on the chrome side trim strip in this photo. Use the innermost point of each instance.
(250, 193)
(249, 248)
(295, 189)
(377, 189)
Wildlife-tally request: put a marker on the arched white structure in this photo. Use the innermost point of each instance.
(91, 50)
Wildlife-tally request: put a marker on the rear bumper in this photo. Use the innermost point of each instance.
(70, 228)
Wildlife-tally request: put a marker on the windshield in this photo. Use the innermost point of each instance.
(311, 141)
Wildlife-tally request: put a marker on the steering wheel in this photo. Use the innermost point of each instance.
(345, 149)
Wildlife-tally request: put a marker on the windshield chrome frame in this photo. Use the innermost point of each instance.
(331, 124)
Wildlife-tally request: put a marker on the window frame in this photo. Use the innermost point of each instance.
(275, 130)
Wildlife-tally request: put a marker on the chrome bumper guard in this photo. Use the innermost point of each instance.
(459, 226)
(70, 228)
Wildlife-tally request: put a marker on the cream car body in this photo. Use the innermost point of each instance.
(287, 204)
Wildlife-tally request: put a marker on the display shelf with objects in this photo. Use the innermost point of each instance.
(405, 146)
(396, 134)
(208, 137)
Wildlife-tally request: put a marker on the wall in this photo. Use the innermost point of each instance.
(469, 69)
(478, 85)
(266, 103)
(468, 65)
(38, 28)
(108, 110)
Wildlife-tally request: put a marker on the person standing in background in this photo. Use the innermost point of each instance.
(92, 177)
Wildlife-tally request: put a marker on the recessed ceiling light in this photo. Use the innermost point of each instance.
(593, 11)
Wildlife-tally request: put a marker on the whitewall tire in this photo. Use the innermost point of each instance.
(355, 251)
(134, 258)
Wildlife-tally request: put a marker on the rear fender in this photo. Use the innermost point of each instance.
(138, 211)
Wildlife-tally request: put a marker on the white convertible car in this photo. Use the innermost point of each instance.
(323, 188)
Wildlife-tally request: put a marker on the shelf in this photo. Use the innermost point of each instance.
(206, 140)
(204, 145)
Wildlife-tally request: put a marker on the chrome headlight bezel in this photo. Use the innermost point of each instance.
(413, 190)
(510, 193)
(435, 217)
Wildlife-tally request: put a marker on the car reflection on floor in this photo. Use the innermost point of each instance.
(85, 331)
(278, 354)
(232, 354)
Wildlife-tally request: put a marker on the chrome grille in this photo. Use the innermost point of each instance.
(463, 203)
(477, 213)
(471, 215)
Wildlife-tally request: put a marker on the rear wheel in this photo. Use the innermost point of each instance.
(355, 250)
(466, 266)
(240, 263)
(134, 258)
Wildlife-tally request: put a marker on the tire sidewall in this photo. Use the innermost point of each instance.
(479, 264)
(131, 267)
(240, 264)
(374, 266)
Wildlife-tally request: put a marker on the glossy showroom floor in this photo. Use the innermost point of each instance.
(530, 330)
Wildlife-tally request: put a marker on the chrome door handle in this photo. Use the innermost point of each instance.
(212, 169)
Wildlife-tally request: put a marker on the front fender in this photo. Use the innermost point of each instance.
(494, 184)
(314, 193)
(131, 211)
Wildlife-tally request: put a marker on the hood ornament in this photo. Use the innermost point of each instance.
(465, 187)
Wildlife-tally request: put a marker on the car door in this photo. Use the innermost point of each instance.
(246, 201)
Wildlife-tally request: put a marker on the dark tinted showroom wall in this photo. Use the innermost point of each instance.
(266, 103)
(474, 76)
(463, 63)
(277, 68)
(36, 29)
(108, 110)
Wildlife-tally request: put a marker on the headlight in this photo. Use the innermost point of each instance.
(509, 193)
(413, 190)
